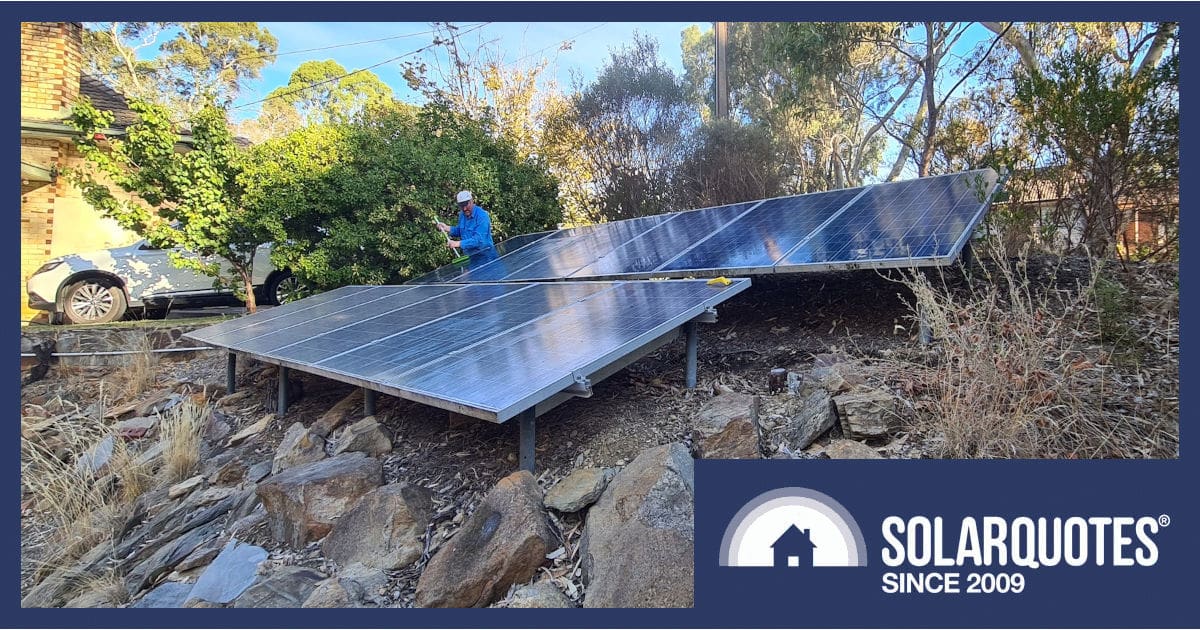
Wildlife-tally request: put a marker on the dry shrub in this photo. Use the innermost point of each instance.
(80, 508)
(180, 433)
(140, 373)
(1019, 370)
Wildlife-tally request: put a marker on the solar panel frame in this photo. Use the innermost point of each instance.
(684, 302)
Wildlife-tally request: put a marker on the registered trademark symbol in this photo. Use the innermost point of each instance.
(1164, 520)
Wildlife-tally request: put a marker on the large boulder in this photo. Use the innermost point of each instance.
(815, 416)
(299, 446)
(365, 436)
(726, 427)
(577, 490)
(503, 543)
(638, 544)
(866, 414)
(384, 530)
(304, 502)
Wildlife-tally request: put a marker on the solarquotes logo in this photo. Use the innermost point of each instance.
(793, 527)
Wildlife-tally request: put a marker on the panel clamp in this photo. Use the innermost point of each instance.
(582, 387)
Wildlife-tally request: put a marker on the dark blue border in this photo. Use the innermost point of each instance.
(1181, 474)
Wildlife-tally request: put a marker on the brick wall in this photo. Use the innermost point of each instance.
(51, 58)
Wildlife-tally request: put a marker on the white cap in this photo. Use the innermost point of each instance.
(464, 196)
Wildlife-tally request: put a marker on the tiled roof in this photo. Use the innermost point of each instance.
(106, 98)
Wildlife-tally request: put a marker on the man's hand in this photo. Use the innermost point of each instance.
(453, 244)
(443, 227)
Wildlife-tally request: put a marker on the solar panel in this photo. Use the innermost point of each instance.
(486, 350)
(919, 222)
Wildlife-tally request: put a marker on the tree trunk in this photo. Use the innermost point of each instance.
(248, 286)
(930, 64)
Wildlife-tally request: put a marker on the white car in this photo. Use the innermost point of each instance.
(102, 286)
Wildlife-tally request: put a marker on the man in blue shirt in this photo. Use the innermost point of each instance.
(474, 229)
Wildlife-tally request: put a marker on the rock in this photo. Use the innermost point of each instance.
(202, 603)
(95, 459)
(158, 402)
(203, 555)
(185, 486)
(212, 495)
(233, 571)
(849, 449)
(364, 436)
(369, 580)
(502, 543)
(299, 446)
(251, 431)
(865, 414)
(135, 428)
(286, 587)
(816, 416)
(303, 502)
(334, 593)
(258, 472)
(337, 414)
(231, 473)
(217, 427)
(53, 591)
(540, 595)
(384, 530)
(247, 523)
(167, 556)
(726, 427)
(578, 490)
(637, 546)
(832, 374)
(166, 595)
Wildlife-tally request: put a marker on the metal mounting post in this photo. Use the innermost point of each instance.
(283, 391)
(528, 421)
(924, 330)
(230, 373)
(693, 340)
(368, 402)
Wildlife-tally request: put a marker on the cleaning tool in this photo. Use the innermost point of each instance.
(458, 257)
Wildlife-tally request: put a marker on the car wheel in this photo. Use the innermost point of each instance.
(282, 288)
(94, 301)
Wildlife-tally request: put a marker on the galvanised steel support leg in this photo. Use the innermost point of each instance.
(693, 340)
(283, 390)
(230, 373)
(528, 420)
(368, 402)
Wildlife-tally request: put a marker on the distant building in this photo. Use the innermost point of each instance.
(794, 548)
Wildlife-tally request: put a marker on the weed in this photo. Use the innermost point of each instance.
(181, 430)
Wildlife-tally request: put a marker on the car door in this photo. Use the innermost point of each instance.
(162, 279)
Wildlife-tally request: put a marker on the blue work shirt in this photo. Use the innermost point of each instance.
(475, 232)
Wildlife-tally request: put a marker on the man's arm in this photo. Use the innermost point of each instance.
(475, 239)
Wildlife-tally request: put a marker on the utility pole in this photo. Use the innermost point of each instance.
(721, 37)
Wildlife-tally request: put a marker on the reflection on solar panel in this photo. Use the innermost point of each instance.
(487, 350)
(900, 224)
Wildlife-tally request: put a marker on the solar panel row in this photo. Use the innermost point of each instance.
(918, 222)
(486, 350)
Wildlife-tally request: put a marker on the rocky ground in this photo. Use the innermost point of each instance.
(414, 508)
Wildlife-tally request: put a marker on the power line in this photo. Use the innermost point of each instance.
(359, 43)
(352, 73)
(559, 44)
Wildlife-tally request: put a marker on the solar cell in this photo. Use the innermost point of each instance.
(488, 350)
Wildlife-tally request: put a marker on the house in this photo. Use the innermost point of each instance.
(794, 548)
(55, 219)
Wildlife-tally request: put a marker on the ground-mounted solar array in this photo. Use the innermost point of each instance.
(920, 222)
(489, 350)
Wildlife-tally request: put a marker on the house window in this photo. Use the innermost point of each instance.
(793, 561)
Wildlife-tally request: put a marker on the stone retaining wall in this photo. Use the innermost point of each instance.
(100, 339)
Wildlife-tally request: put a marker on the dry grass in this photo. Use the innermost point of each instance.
(138, 375)
(1021, 369)
(180, 432)
(80, 509)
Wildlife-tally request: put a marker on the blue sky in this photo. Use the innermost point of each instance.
(590, 46)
